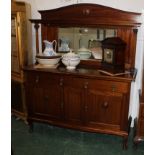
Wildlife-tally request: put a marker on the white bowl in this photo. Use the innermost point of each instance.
(84, 55)
(48, 60)
(70, 63)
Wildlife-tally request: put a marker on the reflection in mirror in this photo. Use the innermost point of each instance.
(84, 41)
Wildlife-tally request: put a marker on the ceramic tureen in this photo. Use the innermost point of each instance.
(84, 53)
(70, 60)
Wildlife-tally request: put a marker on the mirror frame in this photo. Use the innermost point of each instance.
(91, 15)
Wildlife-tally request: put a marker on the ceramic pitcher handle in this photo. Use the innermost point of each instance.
(55, 44)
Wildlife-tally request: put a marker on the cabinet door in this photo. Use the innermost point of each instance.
(73, 101)
(107, 104)
(44, 96)
(104, 109)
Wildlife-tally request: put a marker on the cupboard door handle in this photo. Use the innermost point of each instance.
(61, 82)
(86, 85)
(105, 105)
(37, 79)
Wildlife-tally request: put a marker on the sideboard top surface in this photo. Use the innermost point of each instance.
(82, 72)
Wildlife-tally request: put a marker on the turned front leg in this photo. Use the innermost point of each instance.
(125, 143)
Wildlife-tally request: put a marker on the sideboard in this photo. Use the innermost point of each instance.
(83, 99)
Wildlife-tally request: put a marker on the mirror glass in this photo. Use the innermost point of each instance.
(84, 41)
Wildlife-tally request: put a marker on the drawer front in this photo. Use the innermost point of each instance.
(111, 86)
(40, 78)
(80, 83)
(102, 85)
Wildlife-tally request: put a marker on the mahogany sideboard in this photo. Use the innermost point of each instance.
(83, 99)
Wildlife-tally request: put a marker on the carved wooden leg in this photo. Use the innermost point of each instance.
(125, 142)
(135, 143)
(125, 138)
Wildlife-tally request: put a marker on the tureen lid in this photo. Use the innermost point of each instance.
(71, 55)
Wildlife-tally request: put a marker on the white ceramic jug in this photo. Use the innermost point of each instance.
(64, 44)
(49, 51)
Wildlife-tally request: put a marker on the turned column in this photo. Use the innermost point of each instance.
(36, 26)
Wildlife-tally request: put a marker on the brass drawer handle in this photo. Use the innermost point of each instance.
(86, 85)
(113, 87)
(105, 105)
(61, 82)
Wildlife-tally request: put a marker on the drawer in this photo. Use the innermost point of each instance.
(75, 82)
(104, 85)
(41, 78)
(111, 86)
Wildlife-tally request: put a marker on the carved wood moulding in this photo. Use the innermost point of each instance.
(88, 15)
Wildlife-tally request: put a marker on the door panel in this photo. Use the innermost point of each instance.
(37, 101)
(52, 101)
(73, 99)
(104, 109)
(45, 101)
(44, 98)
